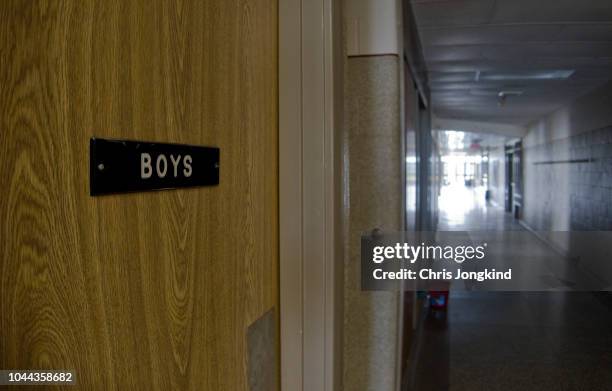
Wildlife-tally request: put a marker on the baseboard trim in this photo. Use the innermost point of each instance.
(582, 266)
(560, 251)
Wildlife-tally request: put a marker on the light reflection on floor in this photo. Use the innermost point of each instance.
(465, 209)
(456, 201)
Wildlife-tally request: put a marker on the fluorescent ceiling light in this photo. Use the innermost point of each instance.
(528, 75)
(494, 92)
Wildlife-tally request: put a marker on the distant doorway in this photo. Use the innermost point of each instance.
(508, 186)
(513, 186)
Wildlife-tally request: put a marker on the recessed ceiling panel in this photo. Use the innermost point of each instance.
(589, 32)
(551, 11)
(490, 34)
(464, 12)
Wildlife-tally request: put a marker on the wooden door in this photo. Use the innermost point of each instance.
(152, 290)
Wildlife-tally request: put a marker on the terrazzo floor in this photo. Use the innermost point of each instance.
(512, 340)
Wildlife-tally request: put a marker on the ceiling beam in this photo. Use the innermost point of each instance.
(499, 129)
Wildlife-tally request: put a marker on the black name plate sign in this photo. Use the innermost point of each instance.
(119, 166)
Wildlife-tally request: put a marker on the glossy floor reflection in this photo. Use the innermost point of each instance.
(512, 340)
(465, 209)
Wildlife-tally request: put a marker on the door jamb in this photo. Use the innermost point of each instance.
(310, 194)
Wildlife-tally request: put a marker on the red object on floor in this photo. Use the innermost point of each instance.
(438, 299)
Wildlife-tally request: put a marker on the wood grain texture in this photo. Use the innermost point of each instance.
(153, 290)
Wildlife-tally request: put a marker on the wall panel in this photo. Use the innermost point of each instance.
(139, 291)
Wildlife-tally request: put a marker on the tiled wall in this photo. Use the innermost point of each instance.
(570, 195)
(373, 171)
(569, 182)
(567, 178)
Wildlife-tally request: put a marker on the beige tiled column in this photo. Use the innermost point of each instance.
(374, 180)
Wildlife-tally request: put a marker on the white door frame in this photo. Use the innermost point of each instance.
(310, 194)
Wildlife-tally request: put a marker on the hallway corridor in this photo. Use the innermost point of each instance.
(512, 340)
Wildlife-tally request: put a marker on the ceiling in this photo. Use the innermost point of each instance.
(542, 53)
